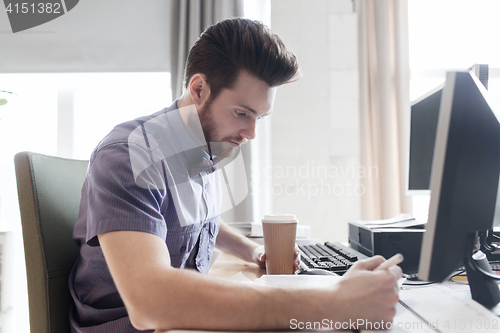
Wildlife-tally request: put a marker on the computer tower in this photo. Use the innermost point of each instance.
(387, 242)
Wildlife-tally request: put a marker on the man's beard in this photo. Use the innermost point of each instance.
(217, 147)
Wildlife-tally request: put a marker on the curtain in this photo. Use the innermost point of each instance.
(384, 106)
(188, 20)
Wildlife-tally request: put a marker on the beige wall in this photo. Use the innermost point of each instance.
(315, 145)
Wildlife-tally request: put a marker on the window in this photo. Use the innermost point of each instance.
(65, 115)
(447, 35)
(102, 101)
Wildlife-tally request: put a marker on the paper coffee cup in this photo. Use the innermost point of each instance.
(279, 242)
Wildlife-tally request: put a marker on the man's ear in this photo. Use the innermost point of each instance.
(199, 90)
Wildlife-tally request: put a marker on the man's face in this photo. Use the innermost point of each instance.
(230, 119)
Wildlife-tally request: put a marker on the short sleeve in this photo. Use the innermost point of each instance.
(119, 199)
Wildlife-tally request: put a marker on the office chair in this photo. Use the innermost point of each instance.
(49, 190)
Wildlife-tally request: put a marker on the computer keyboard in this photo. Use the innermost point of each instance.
(331, 256)
(338, 258)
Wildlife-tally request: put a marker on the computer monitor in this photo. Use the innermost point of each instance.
(424, 113)
(464, 186)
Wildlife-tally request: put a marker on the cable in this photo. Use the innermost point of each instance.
(406, 283)
(458, 272)
(485, 242)
(425, 283)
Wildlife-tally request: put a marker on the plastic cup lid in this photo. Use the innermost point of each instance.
(277, 218)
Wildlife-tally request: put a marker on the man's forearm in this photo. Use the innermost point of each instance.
(210, 303)
(230, 240)
(158, 296)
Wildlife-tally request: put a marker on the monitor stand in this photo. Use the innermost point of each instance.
(484, 289)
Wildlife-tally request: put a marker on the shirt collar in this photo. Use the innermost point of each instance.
(198, 160)
(206, 164)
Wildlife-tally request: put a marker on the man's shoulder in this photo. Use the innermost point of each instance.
(121, 132)
(115, 146)
(140, 141)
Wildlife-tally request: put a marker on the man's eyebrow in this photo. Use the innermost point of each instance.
(249, 109)
(255, 112)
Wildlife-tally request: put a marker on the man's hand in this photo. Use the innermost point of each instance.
(259, 257)
(367, 294)
(235, 243)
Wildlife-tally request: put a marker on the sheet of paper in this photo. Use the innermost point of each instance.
(405, 321)
(447, 311)
(304, 281)
(395, 219)
(393, 225)
(425, 309)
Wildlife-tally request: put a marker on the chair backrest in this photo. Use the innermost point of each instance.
(49, 190)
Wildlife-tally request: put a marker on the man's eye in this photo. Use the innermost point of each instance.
(241, 114)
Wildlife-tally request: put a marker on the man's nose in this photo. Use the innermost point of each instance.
(249, 131)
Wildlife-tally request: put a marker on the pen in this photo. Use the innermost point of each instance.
(394, 260)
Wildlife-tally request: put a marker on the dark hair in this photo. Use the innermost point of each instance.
(232, 45)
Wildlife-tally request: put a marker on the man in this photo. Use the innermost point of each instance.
(149, 215)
